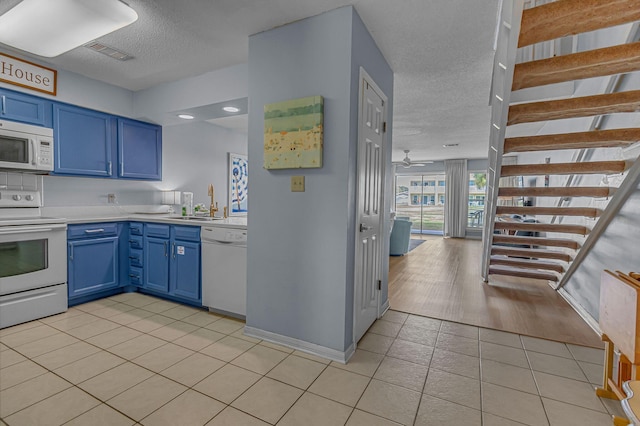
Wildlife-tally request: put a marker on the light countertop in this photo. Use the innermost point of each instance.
(78, 215)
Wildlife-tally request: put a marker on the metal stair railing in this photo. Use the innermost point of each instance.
(629, 185)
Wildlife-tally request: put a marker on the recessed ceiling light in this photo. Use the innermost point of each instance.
(450, 145)
(186, 116)
(231, 109)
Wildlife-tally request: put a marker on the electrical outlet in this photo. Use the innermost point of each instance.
(297, 183)
(111, 198)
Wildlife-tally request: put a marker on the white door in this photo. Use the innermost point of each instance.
(368, 267)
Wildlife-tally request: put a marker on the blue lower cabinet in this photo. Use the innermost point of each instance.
(172, 265)
(93, 265)
(156, 264)
(94, 258)
(185, 269)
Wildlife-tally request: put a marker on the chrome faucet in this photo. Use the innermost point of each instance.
(214, 206)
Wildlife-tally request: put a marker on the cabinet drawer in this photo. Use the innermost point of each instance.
(90, 230)
(157, 230)
(186, 233)
(135, 275)
(135, 258)
(135, 242)
(136, 228)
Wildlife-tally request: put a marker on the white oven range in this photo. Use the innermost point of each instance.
(33, 260)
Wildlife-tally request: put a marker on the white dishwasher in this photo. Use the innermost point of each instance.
(224, 270)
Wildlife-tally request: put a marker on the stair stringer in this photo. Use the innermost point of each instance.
(503, 67)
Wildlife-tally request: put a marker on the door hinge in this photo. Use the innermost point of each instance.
(379, 284)
(384, 127)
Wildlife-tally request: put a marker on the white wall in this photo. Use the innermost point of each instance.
(79, 90)
(194, 153)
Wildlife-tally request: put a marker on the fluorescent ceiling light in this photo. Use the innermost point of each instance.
(186, 116)
(231, 109)
(50, 28)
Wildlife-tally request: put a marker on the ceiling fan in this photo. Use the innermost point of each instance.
(406, 162)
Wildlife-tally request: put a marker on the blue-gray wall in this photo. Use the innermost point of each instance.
(300, 252)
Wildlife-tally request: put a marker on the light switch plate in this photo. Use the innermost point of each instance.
(297, 183)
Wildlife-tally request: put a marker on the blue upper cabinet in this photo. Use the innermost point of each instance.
(83, 142)
(139, 150)
(92, 143)
(24, 108)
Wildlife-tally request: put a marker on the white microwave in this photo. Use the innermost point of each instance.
(26, 148)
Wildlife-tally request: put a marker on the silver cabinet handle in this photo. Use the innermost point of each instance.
(173, 250)
(93, 231)
(165, 248)
(110, 168)
(3, 104)
(71, 252)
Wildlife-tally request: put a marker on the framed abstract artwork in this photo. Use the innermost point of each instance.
(293, 132)
(238, 184)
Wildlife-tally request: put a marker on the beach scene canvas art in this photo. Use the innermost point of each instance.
(293, 133)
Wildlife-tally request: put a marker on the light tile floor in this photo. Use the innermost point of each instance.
(134, 359)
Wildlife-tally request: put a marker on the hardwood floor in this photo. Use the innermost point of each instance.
(441, 279)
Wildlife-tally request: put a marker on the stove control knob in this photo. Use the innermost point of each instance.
(17, 197)
(28, 197)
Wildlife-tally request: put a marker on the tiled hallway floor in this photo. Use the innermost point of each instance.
(134, 359)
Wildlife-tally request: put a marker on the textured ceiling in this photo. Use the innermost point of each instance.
(440, 51)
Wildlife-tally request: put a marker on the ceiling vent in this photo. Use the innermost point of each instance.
(109, 51)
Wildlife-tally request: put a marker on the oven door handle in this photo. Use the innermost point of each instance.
(31, 229)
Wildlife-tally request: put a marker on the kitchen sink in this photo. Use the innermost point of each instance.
(201, 218)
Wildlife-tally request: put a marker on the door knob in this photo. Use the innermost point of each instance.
(364, 227)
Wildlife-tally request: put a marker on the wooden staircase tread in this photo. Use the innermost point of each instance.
(549, 211)
(527, 263)
(535, 241)
(617, 59)
(562, 191)
(524, 273)
(569, 17)
(542, 227)
(588, 167)
(578, 140)
(585, 106)
(530, 252)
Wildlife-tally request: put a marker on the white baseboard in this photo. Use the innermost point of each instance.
(586, 316)
(384, 308)
(301, 345)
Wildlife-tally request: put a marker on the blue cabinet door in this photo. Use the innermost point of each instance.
(185, 269)
(139, 150)
(92, 266)
(24, 108)
(156, 264)
(83, 142)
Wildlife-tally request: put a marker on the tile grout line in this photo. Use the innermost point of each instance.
(199, 327)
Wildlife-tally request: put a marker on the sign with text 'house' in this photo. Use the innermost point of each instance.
(27, 74)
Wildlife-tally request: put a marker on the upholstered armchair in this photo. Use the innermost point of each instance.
(400, 236)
